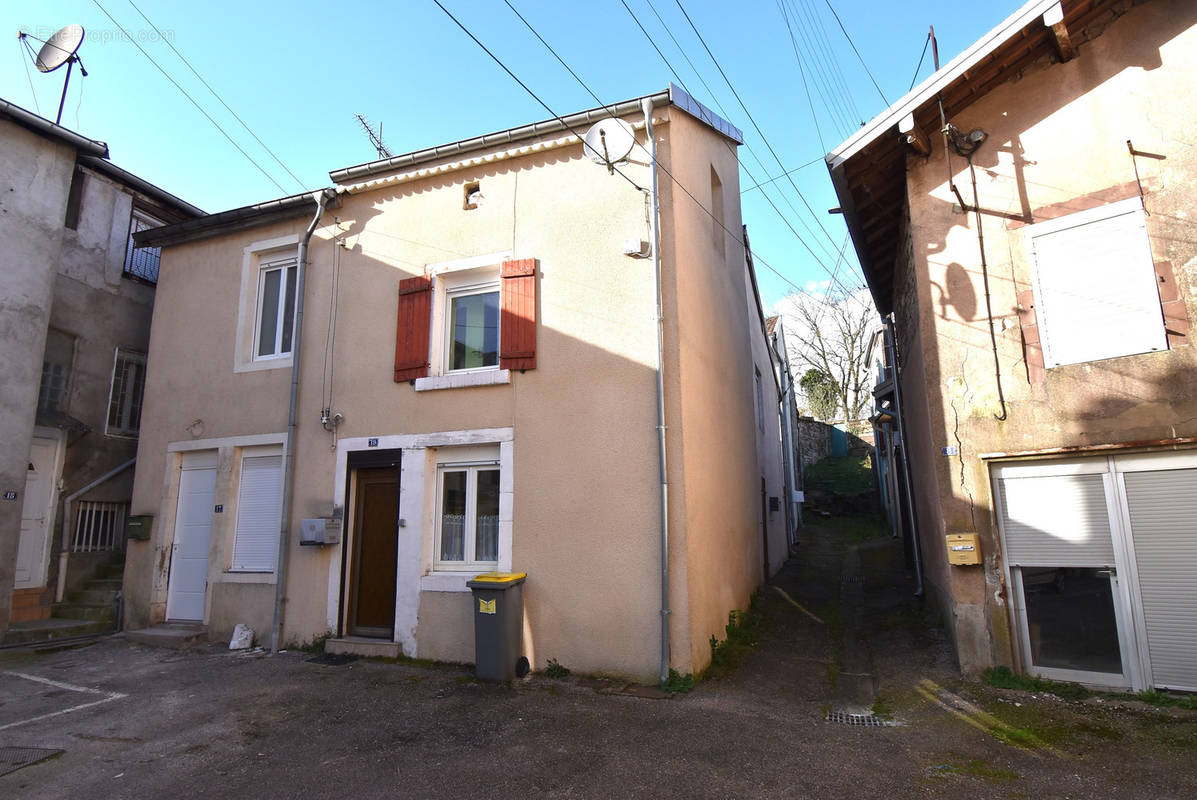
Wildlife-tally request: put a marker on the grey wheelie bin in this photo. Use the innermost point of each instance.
(498, 625)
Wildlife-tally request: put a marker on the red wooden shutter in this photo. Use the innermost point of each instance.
(411, 338)
(517, 333)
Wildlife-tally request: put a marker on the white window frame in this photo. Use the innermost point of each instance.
(280, 264)
(124, 430)
(1137, 281)
(140, 221)
(457, 291)
(471, 468)
(254, 257)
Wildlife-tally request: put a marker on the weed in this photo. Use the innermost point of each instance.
(979, 769)
(554, 669)
(1003, 678)
(841, 474)
(882, 710)
(315, 645)
(742, 631)
(677, 682)
(1155, 697)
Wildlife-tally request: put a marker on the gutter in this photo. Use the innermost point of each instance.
(143, 186)
(65, 554)
(322, 199)
(27, 119)
(225, 221)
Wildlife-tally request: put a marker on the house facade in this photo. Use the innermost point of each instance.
(1023, 218)
(476, 390)
(75, 322)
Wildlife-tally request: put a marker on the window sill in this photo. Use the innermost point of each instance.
(451, 581)
(247, 576)
(462, 380)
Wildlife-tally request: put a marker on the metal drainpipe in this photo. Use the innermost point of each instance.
(646, 106)
(892, 346)
(65, 554)
(321, 197)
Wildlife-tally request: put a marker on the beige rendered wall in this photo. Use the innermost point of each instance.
(34, 177)
(715, 531)
(1057, 143)
(585, 512)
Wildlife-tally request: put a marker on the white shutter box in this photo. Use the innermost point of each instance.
(1163, 514)
(259, 502)
(1059, 520)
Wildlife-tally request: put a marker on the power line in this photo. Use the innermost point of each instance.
(779, 177)
(751, 119)
(802, 73)
(199, 77)
(926, 42)
(837, 96)
(858, 55)
(719, 105)
(200, 108)
(21, 41)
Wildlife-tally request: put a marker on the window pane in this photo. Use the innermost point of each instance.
(1070, 617)
(475, 330)
(269, 310)
(453, 515)
(289, 311)
(486, 542)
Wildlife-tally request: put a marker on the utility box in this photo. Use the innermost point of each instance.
(498, 625)
(138, 527)
(322, 530)
(964, 548)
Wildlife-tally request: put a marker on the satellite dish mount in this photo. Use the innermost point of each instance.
(61, 48)
(608, 142)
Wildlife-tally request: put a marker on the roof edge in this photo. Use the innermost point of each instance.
(140, 184)
(234, 219)
(41, 125)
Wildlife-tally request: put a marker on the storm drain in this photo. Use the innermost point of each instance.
(13, 758)
(869, 720)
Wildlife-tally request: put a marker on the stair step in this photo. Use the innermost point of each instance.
(93, 596)
(116, 570)
(105, 612)
(112, 584)
(46, 629)
(172, 635)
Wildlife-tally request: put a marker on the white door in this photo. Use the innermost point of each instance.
(36, 513)
(193, 535)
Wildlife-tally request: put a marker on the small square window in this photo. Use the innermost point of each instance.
(142, 262)
(275, 326)
(472, 334)
(467, 535)
(124, 399)
(56, 371)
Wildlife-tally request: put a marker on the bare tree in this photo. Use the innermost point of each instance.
(830, 332)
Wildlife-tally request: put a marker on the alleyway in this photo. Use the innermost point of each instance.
(845, 640)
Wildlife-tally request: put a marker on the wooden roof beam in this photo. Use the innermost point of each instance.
(1054, 20)
(914, 136)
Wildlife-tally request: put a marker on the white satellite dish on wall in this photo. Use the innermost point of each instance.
(59, 48)
(609, 141)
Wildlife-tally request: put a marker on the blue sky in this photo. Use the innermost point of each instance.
(297, 72)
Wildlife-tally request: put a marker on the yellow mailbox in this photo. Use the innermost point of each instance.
(964, 548)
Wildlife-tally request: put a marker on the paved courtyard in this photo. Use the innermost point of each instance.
(842, 639)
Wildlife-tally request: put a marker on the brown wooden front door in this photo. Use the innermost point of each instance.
(375, 552)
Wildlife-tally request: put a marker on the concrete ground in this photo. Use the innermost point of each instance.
(138, 722)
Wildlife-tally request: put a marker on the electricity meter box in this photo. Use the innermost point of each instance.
(322, 530)
(964, 548)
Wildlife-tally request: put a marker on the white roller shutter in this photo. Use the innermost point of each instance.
(1163, 514)
(258, 506)
(1055, 521)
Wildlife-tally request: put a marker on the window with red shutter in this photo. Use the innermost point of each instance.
(411, 337)
(517, 338)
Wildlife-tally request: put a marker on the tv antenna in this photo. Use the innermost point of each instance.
(375, 138)
(61, 48)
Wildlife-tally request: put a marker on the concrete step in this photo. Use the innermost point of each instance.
(47, 629)
(104, 584)
(105, 612)
(115, 570)
(362, 646)
(93, 596)
(171, 635)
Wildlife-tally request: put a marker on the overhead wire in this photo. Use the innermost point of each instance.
(854, 50)
(926, 42)
(165, 74)
(715, 99)
(166, 39)
(838, 96)
(751, 119)
(29, 75)
(802, 74)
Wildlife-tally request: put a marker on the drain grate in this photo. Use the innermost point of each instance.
(13, 758)
(333, 659)
(869, 720)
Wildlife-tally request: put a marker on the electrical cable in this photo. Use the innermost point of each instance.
(198, 107)
(858, 55)
(926, 43)
(836, 84)
(28, 74)
(802, 73)
(207, 86)
(779, 177)
(751, 119)
(997, 364)
(832, 101)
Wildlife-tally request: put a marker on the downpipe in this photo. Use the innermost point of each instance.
(322, 198)
(646, 106)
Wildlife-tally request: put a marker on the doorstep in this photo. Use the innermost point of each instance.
(171, 635)
(362, 646)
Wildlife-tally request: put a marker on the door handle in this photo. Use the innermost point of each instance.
(1108, 572)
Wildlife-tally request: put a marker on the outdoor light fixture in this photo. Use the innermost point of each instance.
(965, 144)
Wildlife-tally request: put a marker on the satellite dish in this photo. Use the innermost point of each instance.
(59, 48)
(609, 141)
